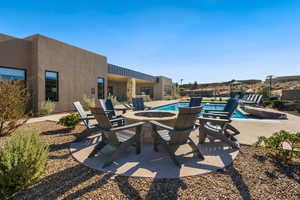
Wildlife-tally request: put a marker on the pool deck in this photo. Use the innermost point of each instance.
(250, 128)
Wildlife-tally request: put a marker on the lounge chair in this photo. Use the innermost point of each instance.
(195, 101)
(117, 139)
(172, 137)
(213, 129)
(255, 102)
(138, 104)
(248, 97)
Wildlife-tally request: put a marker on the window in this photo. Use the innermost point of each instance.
(12, 74)
(51, 86)
(100, 84)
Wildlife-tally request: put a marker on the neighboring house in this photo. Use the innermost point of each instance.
(63, 73)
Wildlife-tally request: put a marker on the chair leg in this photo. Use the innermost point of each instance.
(195, 149)
(138, 139)
(155, 138)
(171, 153)
(202, 136)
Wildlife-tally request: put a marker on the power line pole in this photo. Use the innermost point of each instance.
(270, 84)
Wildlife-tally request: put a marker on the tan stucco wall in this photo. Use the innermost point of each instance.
(159, 88)
(119, 88)
(78, 70)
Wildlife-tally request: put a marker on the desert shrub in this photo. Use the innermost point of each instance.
(22, 160)
(13, 102)
(168, 97)
(88, 102)
(267, 103)
(276, 144)
(297, 105)
(70, 120)
(113, 99)
(47, 107)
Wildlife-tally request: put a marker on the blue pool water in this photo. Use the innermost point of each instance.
(175, 106)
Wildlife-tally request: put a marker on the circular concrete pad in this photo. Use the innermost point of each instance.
(158, 164)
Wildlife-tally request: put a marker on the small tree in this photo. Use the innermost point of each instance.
(13, 101)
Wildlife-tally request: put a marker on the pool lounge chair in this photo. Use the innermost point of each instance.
(118, 139)
(195, 101)
(172, 137)
(255, 102)
(216, 129)
(138, 104)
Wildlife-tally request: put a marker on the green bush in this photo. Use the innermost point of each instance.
(168, 97)
(22, 160)
(70, 120)
(297, 105)
(276, 144)
(277, 104)
(88, 102)
(47, 107)
(267, 103)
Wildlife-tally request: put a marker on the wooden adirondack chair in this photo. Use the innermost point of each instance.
(195, 101)
(226, 113)
(118, 139)
(110, 110)
(172, 137)
(214, 128)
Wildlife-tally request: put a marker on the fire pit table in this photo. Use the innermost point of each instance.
(164, 117)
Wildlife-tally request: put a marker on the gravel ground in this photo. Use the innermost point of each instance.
(253, 175)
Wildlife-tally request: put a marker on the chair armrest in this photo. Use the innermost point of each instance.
(215, 115)
(120, 128)
(121, 109)
(108, 111)
(155, 123)
(212, 110)
(116, 120)
(88, 118)
(129, 107)
(90, 115)
(214, 120)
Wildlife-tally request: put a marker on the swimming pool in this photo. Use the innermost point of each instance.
(219, 106)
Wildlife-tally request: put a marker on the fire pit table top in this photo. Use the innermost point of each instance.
(149, 115)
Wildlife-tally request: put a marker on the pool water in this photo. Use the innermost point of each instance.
(175, 106)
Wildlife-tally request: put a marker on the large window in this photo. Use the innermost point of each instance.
(12, 74)
(100, 85)
(51, 84)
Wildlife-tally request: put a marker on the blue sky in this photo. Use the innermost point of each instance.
(197, 40)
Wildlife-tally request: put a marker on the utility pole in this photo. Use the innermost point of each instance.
(270, 84)
(181, 82)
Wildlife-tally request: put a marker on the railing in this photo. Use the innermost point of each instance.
(117, 70)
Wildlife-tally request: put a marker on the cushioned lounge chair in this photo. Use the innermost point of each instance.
(117, 139)
(172, 137)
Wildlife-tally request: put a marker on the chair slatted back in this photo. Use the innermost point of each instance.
(184, 124)
(231, 105)
(249, 97)
(138, 104)
(107, 105)
(195, 101)
(82, 113)
(104, 124)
